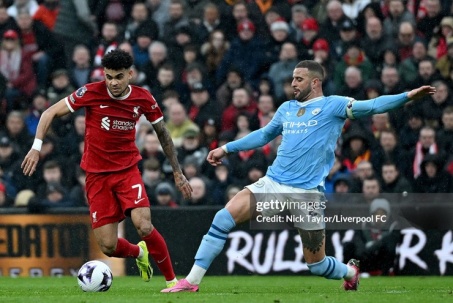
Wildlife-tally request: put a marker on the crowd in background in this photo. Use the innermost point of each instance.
(219, 70)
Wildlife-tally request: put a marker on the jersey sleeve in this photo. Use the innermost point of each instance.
(152, 110)
(79, 98)
(339, 105)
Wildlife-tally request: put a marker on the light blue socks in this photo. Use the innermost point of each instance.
(329, 268)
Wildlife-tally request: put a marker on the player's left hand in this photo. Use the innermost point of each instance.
(421, 92)
(183, 185)
(30, 162)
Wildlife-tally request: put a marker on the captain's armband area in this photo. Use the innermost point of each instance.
(349, 113)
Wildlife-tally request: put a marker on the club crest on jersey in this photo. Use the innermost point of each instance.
(81, 91)
(316, 111)
(301, 112)
(136, 108)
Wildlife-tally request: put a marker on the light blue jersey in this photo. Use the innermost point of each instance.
(310, 131)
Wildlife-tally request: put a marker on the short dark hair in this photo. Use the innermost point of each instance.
(313, 67)
(117, 59)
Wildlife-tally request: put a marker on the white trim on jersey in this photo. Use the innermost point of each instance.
(120, 98)
(306, 103)
(66, 100)
(157, 120)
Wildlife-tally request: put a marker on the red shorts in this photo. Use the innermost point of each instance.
(113, 195)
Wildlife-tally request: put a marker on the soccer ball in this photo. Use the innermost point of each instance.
(94, 276)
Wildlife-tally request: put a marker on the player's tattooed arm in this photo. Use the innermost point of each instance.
(313, 240)
(170, 152)
(167, 145)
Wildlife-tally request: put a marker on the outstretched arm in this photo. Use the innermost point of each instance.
(357, 109)
(170, 152)
(31, 159)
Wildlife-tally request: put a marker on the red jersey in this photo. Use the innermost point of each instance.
(110, 125)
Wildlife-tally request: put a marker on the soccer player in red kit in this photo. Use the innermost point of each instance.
(114, 185)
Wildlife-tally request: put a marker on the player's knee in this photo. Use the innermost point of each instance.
(107, 249)
(144, 228)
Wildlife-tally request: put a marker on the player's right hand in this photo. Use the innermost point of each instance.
(215, 155)
(30, 162)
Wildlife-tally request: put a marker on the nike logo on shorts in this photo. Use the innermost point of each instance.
(138, 201)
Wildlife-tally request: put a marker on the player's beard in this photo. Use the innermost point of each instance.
(304, 94)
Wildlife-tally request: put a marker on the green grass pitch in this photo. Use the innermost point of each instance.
(234, 289)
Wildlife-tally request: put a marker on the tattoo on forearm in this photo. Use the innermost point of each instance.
(312, 239)
(167, 144)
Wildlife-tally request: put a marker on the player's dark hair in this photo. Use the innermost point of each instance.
(117, 59)
(313, 67)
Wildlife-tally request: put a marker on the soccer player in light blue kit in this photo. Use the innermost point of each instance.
(310, 126)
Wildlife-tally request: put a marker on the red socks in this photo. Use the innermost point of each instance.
(125, 249)
(157, 248)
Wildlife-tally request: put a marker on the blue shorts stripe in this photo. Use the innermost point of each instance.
(216, 236)
(328, 267)
(218, 229)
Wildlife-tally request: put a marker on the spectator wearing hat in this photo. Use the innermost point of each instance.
(410, 131)
(397, 14)
(437, 46)
(283, 67)
(375, 243)
(246, 54)
(16, 66)
(279, 35)
(209, 134)
(165, 195)
(201, 107)
(433, 177)
(191, 147)
(322, 55)
(310, 31)
(178, 123)
(330, 27)
(356, 148)
(60, 86)
(348, 35)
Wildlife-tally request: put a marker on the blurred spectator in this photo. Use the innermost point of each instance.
(165, 196)
(55, 196)
(47, 13)
(348, 36)
(108, 41)
(242, 101)
(224, 93)
(199, 194)
(375, 243)
(140, 48)
(410, 131)
(17, 132)
(191, 147)
(157, 57)
(210, 22)
(444, 135)
(140, 18)
(52, 174)
(408, 69)
(397, 14)
(77, 193)
(159, 12)
(426, 145)
(266, 109)
(81, 67)
(298, 14)
(434, 106)
(391, 80)
(406, 39)
(429, 24)
(392, 181)
(283, 68)
(245, 54)
(427, 73)
(151, 149)
(42, 44)
(152, 176)
(209, 134)
(354, 56)
(166, 81)
(213, 51)
(70, 143)
(16, 66)
(201, 106)
(178, 123)
(310, 33)
(354, 86)
(231, 191)
(239, 163)
(438, 44)
(433, 178)
(39, 104)
(352, 8)
(337, 169)
(177, 19)
(7, 22)
(221, 181)
(9, 157)
(356, 148)
(279, 35)
(371, 189)
(240, 13)
(5, 201)
(363, 171)
(445, 63)
(60, 86)
(75, 25)
(29, 6)
(330, 27)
